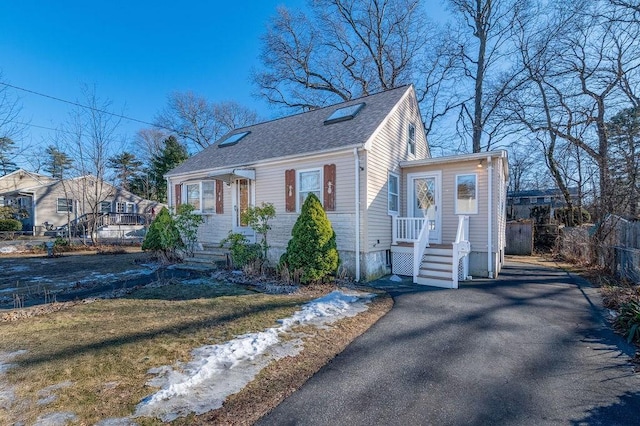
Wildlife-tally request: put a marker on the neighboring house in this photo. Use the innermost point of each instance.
(520, 203)
(52, 204)
(368, 161)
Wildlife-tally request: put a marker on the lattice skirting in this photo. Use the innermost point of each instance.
(402, 263)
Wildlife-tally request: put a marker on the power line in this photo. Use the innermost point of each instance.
(82, 106)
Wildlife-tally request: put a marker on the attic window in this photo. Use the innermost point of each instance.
(344, 114)
(233, 139)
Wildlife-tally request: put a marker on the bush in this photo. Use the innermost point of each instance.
(242, 253)
(312, 247)
(163, 237)
(187, 223)
(571, 217)
(10, 225)
(629, 321)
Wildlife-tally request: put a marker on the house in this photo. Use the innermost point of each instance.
(520, 203)
(52, 204)
(393, 208)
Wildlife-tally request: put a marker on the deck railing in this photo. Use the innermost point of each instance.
(406, 229)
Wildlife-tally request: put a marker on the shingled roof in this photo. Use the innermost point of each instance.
(300, 134)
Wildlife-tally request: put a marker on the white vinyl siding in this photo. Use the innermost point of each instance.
(386, 152)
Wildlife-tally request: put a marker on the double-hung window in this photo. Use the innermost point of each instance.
(309, 182)
(193, 195)
(393, 193)
(467, 194)
(411, 139)
(64, 205)
(105, 206)
(208, 196)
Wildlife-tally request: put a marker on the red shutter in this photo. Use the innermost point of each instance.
(178, 195)
(290, 190)
(330, 187)
(219, 197)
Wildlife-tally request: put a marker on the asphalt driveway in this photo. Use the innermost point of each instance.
(529, 348)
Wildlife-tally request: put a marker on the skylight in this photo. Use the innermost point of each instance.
(344, 113)
(233, 139)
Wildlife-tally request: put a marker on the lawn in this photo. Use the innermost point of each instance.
(99, 353)
(92, 359)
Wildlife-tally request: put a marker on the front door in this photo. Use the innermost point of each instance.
(424, 197)
(243, 198)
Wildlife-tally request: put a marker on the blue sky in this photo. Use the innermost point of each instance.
(134, 52)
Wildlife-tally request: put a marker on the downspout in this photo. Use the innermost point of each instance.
(490, 213)
(169, 194)
(357, 210)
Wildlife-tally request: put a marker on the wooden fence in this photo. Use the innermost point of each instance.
(519, 238)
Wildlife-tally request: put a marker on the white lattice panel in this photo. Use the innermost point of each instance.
(402, 263)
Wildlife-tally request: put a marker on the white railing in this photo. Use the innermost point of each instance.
(461, 250)
(406, 229)
(419, 247)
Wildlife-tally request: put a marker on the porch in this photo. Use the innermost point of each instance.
(429, 263)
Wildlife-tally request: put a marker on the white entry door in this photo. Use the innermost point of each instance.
(242, 199)
(424, 199)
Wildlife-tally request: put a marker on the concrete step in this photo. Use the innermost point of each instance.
(434, 281)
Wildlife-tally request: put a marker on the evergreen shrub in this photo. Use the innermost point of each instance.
(312, 247)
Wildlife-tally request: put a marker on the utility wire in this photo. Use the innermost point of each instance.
(82, 106)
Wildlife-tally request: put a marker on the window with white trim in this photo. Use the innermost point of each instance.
(208, 196)
(393, 193)
(64, 205)
(411, 139)
(467, 194)
(105, 206)
(193, 195)
(309, 182)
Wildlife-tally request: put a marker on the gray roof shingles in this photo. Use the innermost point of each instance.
(299, 134)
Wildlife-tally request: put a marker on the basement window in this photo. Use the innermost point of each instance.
(344, 113)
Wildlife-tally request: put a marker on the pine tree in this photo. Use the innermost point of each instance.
(312, 247)
(126, 168)
(172, 154)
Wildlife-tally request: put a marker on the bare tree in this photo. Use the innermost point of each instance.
(149, 142)
(483, 37)
(344, 49)
(198, 122)
(91, 137)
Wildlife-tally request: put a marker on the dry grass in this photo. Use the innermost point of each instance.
(104, 349)
(281, 378)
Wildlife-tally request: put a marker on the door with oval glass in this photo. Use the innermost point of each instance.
(424, 199)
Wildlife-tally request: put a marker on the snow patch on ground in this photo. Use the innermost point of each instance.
(395, 279)
(7, 393)
(8, 249)
(56, 419)
(217, 371)
(47, 395)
